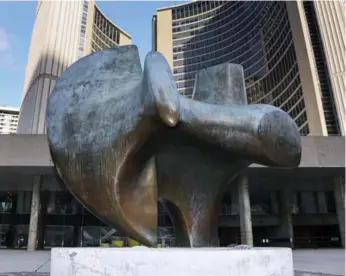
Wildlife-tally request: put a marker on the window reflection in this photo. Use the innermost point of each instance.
(61, 203)
(14, 218)
(101, 236)
(22, 234)
(165, 231)
(3, 239)
(58, 236)
(260, 203)
(6, 202)
(330, 200)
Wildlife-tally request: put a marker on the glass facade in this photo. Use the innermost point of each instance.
(255, 34)
(105, 34)
(63, 222)
(14, 218)
(165, 228)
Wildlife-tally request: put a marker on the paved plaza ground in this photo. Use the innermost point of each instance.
(321, 262)
(327, 261)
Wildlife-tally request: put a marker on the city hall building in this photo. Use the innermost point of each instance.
(293, 57)
(62, 33)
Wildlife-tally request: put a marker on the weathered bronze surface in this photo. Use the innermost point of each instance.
(122, 139)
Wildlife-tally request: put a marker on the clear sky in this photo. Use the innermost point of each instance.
(16, 23)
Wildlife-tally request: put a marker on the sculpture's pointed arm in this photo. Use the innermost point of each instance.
(259, 132)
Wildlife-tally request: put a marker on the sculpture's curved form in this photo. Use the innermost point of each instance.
(121, 139)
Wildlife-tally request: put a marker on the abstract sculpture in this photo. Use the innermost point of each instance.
(122, 139)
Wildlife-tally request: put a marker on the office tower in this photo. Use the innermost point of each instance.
(64, 31)
(293, 53)
(293, 56)
(8, 119)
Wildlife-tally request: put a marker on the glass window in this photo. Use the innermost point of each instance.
(61, 203)
(58, 236)
(330, 200)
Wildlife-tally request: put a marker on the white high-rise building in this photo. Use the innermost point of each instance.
(8, 119)
(63, 32)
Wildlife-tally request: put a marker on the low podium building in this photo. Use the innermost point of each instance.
(302, 207)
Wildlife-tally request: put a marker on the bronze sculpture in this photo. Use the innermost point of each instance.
(122, 139)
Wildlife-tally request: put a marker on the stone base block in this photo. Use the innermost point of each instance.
(142, 261)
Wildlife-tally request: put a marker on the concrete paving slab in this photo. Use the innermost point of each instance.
(24, 261)
(326, 261)
(24, 274)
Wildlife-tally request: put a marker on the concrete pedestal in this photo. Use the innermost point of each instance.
(142, 261)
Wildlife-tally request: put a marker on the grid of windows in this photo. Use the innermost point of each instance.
(105, 34)
(255, 34)
(83, 29)
(195, 9)
(8, 121)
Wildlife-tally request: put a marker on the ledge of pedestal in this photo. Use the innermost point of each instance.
(142, 261)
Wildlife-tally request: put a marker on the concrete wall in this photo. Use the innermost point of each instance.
(164, 35)
(125, 39)
(24, 150)
(322, 151)
(32, 150)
